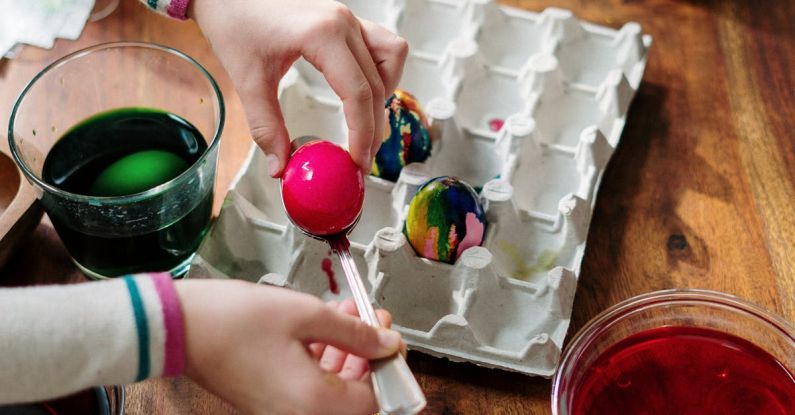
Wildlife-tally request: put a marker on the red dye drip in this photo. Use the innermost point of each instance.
(685, 370)
(332, 283)
(495, 124)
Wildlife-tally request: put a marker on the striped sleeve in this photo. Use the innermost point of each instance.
(159, 327)
(177, 9)
(57, 340)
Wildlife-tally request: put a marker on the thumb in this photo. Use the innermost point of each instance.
(352, 335)
(267, 127)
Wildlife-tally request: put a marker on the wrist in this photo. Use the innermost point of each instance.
(198, 307)
(183, 289)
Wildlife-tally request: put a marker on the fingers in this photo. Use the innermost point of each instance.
(362, 69)
(346, 77)
(362, 55)
(388, 51)
(323, 392)
(311, 390)
(344, 375)
(384, 317)
(317, 349)
(267, 124)
(355, 367)
(348, 333)
(342, 389)
(361, 76)
(348, 306)
(333, 359)
(349, 366)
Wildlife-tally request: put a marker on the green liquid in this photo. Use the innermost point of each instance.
(123, 152)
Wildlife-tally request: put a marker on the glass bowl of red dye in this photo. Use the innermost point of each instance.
(679, 352)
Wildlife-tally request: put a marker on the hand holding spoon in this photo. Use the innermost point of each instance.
(323, 194)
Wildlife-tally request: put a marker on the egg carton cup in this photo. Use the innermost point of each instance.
(527, 108)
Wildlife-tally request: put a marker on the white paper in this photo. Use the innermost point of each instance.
(40, 22)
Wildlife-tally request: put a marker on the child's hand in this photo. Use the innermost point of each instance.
(258, 40)
(348, 366)
(263, 348)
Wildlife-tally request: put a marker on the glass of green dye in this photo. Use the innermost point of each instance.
(130, 135)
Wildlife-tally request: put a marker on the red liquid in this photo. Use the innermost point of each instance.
(685, 370)
(325, 265)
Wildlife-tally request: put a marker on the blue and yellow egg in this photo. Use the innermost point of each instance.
(406, 137)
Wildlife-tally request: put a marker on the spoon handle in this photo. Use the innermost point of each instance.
(395, 388)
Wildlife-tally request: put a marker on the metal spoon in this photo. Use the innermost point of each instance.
(396, 389)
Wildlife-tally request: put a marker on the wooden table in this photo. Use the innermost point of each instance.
(701, 192)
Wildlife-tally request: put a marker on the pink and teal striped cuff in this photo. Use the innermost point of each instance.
(159, 325)
(172, 319)
(178, 9)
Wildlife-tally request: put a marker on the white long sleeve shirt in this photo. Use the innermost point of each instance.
(57, 340)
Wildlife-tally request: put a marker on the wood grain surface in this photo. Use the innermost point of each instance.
(700, 193)
(20, 211)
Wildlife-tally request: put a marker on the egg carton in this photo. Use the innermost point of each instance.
(527, 108)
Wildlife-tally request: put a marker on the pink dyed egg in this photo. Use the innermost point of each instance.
(322, 188)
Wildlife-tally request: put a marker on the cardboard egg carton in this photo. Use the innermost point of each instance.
(527, 108)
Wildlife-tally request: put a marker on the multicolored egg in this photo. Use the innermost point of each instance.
(445, 218)
(406, 138)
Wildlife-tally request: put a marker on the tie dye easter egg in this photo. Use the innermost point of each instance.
(406, 138)
(444, 219)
